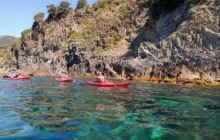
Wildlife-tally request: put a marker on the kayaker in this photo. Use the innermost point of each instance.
(8, 75)
(19, 74)
(100, 77)
(63, 75)
(11, 74)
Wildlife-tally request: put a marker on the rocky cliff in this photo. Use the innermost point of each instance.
(127, 39)
(5, 50)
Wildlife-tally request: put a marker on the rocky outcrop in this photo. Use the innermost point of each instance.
(124, 40)
(191, 52)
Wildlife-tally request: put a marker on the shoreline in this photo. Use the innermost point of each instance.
(178, 81)
(156, 80)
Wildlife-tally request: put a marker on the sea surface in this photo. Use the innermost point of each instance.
(42, 108)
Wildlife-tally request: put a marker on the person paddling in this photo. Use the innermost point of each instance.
(63, 75)
(101, 78)
(19, 74)
(11, 74)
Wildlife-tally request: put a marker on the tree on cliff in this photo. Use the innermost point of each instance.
(58, 12)
(38, 19)
(81, 4)
(64, 6)
(63, 9)
(52, 11)
(26, 35)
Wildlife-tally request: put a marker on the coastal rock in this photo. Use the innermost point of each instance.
(126, 40)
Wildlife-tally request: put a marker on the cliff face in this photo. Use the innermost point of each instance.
(5, 50)
(124, 39)
(191, 51)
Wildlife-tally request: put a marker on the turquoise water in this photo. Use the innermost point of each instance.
(44, 109)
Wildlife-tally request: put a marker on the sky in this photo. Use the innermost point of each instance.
(18, 15)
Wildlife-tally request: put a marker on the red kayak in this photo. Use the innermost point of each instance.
(109, 84)
(27, 77)
(64, 80)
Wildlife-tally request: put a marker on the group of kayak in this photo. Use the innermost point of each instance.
(101, 82)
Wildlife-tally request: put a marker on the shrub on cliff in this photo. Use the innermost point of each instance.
(64, 6)
(52, 11)
(26, 35)
(58, 12)
(63, 9)
(26, 32)
(39, 17)
(81, 4)
(100, 4)
(5, 54)
(73, 34)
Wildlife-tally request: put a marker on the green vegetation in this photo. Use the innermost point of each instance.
(26, 32)
(63, 9)
(100, 4)
(56, 13)
(52, 11)
(81, 4)
(118, 37)
(112, 41)
(127, 13)
(26, 35)
(89, 26)
(38, 20)
(64, 6)
(104, 5)
(74, 34)
(39, 17)
(192, 11)
(99, 11)
(5, 53)
(90, 30)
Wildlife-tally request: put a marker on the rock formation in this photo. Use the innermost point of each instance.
(124, 39)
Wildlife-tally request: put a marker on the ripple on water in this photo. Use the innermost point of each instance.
(44, 109)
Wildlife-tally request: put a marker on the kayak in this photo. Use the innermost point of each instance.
(64, 80)
(109, 84)
(27, 77)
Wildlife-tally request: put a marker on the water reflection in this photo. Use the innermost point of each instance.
(92, 107)
(44, 108)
